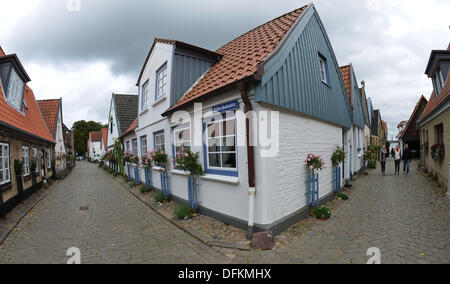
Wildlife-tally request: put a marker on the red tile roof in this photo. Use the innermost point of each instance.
(49, 110)
(31, 121)
(95, 136)
(242, 56)
(105, 137)
(346, 75)
(132, 127)
(435, 102)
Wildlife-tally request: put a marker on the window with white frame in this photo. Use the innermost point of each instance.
(161, 81)
(159, 141)
(35, 159)
(221, 144)
(5, 176)
(135, 146)
(16, 90)
(323, 69)
(182, 139)
(144, 96)
(26, 161)
(143, 145)
(49, 161)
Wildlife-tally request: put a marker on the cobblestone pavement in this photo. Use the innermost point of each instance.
(401, 215)
(117, 228)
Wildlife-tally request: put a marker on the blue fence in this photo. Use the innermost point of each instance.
(128, 171)
(165, 183)
(192, 192)
(148, 178)
(313, 190)
(337, 179)
(136, 175)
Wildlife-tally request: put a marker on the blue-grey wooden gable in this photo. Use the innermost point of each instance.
(187, 68)
(358, 111)
(292, 77)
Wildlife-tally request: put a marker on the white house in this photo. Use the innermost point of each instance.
(278, 86)
(95, 148)
(51, 110)
(354, 137)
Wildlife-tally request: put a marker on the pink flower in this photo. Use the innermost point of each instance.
(311, 167)
(172, 160)
(182, 149)
(186, 154)
(162, 152)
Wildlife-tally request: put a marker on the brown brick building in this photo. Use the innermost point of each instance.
(24, 135)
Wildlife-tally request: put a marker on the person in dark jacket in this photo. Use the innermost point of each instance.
(382, 158)
(406, 159)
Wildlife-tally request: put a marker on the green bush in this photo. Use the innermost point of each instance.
(115, 174)
(144, 189)
(342, 196)
(133, 184)
(159, 197)
(183, 211)
(435, 177)
(425, 171)
(372, 165)
(322, 213)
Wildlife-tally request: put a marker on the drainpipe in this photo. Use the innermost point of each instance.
(243, 88)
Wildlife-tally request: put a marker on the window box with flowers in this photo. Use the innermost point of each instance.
(189, 162)
(337, 158)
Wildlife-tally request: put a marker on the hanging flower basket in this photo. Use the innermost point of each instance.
(338, 156)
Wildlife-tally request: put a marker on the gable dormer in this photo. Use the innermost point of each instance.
(438, 69)
(13, 78)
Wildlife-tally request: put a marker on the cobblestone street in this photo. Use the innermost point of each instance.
(401, 215)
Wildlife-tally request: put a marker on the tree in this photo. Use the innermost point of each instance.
(81, 131)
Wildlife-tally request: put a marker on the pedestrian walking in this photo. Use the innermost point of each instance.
(392, 152)
(382, 158)
(406, 159)
(397, 159)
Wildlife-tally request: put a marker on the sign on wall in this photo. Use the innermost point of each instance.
(229, 106)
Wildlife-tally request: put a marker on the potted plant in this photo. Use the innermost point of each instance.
(189, 162)
(159, 158)
(314, 163)
(338, 156)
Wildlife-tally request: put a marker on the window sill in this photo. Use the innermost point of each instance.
(158, 169)
(179, 172)
(160, 100)
(25, 178)
(326, 84)
(143, 111)
(223, 179)
(5, 186)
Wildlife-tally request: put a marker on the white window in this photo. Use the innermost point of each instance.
(221, 144)
(127, 146)
(144, 96)
(49, 162)
(143, 145)
(159, 141)
(182, 139)
(15, 90)
(26, 161)
(323, 69)
(5, 176)
(35, 159)
(135, 147)
(161, 82)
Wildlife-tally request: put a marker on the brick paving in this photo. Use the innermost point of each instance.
(401, 215)
(117, 228)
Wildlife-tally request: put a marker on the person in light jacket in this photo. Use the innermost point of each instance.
(382, 158)
(397, 159)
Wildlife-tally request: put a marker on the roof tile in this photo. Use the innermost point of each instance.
(49, 110)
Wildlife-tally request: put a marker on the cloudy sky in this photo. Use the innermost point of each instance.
(84, 56)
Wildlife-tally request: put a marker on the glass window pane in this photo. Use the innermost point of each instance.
(229, 160)
(214, 160)
(214, 145)
(186, 134)
(228, 144)
(229, 127)
(213, 130)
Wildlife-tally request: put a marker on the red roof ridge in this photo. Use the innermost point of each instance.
(132, 127)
